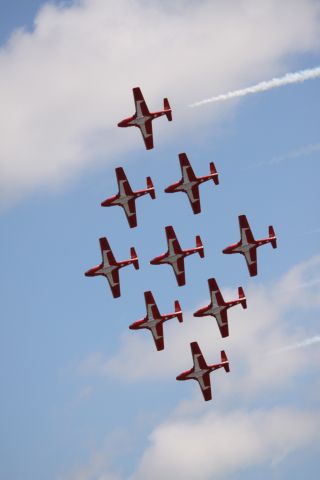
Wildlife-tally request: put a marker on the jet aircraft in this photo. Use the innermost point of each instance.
(109, 267)
(175, 255)
(201, 371)
(143, 118)
(153, 321)
(218, 307)
(189, 183)
(247, 245)
(126, 197)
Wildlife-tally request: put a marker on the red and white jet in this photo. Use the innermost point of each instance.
(247, 246)
(143, 118)
(175, 255)
(218, 307)
(153, 321)
(201, 371)
(189, 183)
(126, 197)
(109, 267)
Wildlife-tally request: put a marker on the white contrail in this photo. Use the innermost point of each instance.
(300, 152)
(288, 78)
(296, 346)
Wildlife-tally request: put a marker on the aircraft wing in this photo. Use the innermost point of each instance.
(194, 198)
(114, 282)
(198, 359)
(147, 134)
(106, 252)
(205, 386)
(222, 321)
(151, 306)
(130, 211)
(186, 169)
(157, 333)
(140, 104)
(173, 243)
(123, 183)
(251, 259)
(215, 294)
(245, 230)
(178, 268)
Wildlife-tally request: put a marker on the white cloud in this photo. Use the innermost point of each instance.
(100, 465)
(64, 86)
(219, 443)
(266, 326)
(217, 439)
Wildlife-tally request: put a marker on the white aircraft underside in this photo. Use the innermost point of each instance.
(198, 373)
(107, 271)
(139, 111)
(124, 202)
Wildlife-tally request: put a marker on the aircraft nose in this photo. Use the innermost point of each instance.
(120, 124)
(226, 250)
(89, 273)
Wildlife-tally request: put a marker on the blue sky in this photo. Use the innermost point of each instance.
(84, 398)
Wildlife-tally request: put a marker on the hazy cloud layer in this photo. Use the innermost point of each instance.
(267, 350)
(64, 86)
(265, 327)
(219, 443)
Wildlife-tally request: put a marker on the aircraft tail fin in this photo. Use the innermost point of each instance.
(199, 246)
(225, 361)
(167, 109)
(273, 237)
(178, 311)
(150, 187)
(134, 258)
(214, 173)
(242, 297)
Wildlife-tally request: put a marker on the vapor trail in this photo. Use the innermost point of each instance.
(296, 77)
(296, 346)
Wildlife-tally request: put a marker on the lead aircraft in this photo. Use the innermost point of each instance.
(201, 371)
(175, 255)
(153, 321)
(189, 183)
(109, 267)
(218, 307)
(247, 245)
(143, 118)
(126, 197)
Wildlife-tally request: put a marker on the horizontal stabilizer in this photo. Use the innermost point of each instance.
(225, 361)
(134, 258)
(242, 297)
(199, 246)
(214, 173)
(167, 109)
(272, 237)
(150, 187)
(178, 311)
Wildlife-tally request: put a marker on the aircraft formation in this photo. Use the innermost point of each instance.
(175, 255)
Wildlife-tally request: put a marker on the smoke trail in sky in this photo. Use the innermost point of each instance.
(296, 77)
(296, 346)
